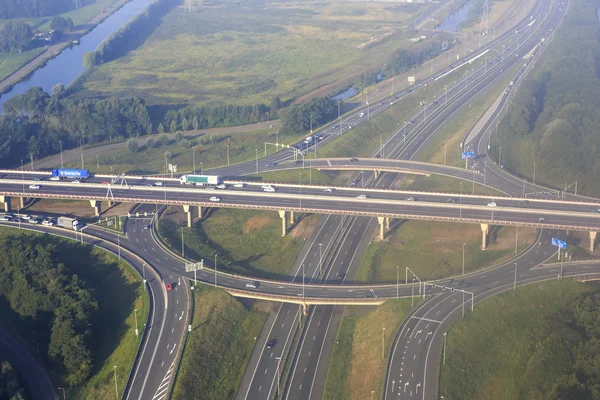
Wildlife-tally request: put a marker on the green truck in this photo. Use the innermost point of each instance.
(200, 180)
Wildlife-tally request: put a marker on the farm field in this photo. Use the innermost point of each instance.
(249, 53)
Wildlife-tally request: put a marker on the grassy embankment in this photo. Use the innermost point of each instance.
(245, 241)
(488, 351)
(119, 292)
(219, 346)
(253, 53)
(357, 366)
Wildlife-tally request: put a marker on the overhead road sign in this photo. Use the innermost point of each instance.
(468, 154)
(559, 243)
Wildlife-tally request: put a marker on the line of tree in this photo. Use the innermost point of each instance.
(131, 35)
(16, 37)
(297, 118)
(212, 116)
(50, 304)
(37, 8)
(36, 122)
(554, 119)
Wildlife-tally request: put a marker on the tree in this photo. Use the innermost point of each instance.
(58, 23)
(178, 136)
(70, 25)
(58, 89)
(184, 124)
(15, 37)
(150, 144)
(132, 145)
(195, 123)
(173, 126)
(163, 140)
(186, 143)
(161, 128)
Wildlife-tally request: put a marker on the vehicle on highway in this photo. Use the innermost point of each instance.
(71, 173)
(47, 223)
(597, 210)
(523, 202)
(492, 204)
(158, 183)
(412, 121)
(354, 159)
(106, 183)
(169, 286)
(362, 196)
(146, 227)
(221, 186)
(252, 285)
(271, 164)
(340, 275)
(37, 179)
(34, 221)
(271, 343)
(411, 199)
(69, 223)
(34, 187)
(55, 178)
(328, 190)
(542, 219)
(450, 201)
(199, 180)
(239, 185)
(5, 218)
(269, 189)
(215, 199)
(26, 217)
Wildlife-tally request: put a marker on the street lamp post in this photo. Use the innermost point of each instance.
(463, 267)
(302, 282)
(61, 154)
(194, 159)
(278, 374)
(383, 344)
(119, 245)
(515, 285)
(412, 294)
(534, 173)
(31, 163)
(116, 388)
(64, 394)
(397, 282)
(227, 153)
(256, 150)
(144, 274)
(182, 244)
(136, 324)
(321, 258)
(445, 336)
(216, 271)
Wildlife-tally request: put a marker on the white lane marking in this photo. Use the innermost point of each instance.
(426, 319)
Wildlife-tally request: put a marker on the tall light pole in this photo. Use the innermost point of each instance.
(278, 374)
(534, 173)
(61, 154)
(136, 324)
(321, 257)
(397, 282)
(300, 188)
(97, 164)
(64, 394)
(227, 153)
(463, 269)
(256, 150)
(302, 282)
(116, 388)
(383, 344)
(311, 123)
(31, 162)
(144, 274)
(216, 270)
(412, 294)
(445, 337)
(515, 285)
(201, 168)
(500, 158)
(182, 244)
(194, 159)
(119, 245)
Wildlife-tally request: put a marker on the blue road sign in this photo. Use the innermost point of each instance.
(559, 243)
(468, 154)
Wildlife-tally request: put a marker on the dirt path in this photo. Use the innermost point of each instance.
(75, 154)
(55, 49)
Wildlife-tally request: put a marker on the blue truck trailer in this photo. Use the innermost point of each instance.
(71, 173)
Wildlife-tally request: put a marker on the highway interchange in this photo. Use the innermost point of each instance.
(342, 240)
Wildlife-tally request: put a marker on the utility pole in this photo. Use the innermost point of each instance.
(515, 285)
(116, 388)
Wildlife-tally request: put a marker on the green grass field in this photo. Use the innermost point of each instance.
(246, 241)
(488, 351)
(218, 347)
(253, 52)
(357, 365)
(119, 292)
(434, 250)
(10, 62)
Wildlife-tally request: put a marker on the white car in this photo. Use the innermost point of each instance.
(215, 199)
(26, 217)
(492, 204)
(269, 189)
(47, 223)
(238, 185)
(265, 186)
(411, 199)
(34, 221)
(328, 190)
(362, 197)
(158, 183)
(34, 186)
(221, 186)
(251, 285)
(55, 178)
(5, 218)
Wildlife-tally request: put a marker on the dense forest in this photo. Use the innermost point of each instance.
(554, 119)
(50, 304)
(36, 8)
(15, 37)
(37, 122)
(566, 361)
(10, 386)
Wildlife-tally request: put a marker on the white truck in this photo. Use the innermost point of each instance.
(200, 180)
(69, 223)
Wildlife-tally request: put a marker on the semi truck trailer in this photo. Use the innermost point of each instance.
(71, 173)
(199, 180)
(69, 223)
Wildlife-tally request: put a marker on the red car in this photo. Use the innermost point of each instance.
(169, 286)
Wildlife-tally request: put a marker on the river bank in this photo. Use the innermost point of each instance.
(54, 50)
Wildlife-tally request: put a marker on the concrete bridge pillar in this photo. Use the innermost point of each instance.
(592, 240)
(110, 203)
(6, 201)
(200, 212)
(189, 210)
(96, 204)
(283, 223)
(387, 223)
(292, 218)
(381, 227)
(22, 202)
(484, 233)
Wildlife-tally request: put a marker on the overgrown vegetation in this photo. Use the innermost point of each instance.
(539, 342)
(11, 387)
(75, 303)
(219, 346)
(553, 121)
(37, 8)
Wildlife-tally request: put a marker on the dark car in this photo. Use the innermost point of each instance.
(146, 227)
(523, 202)
(298, 161)
(271, 343)
(354, 159)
